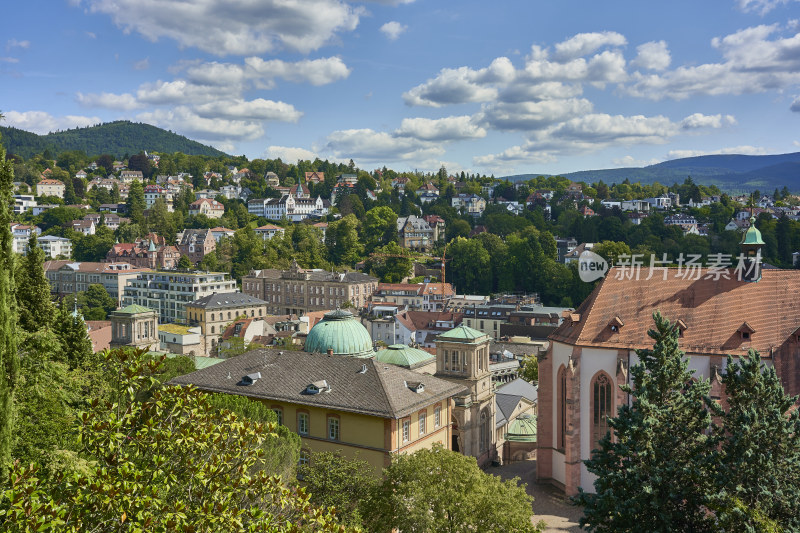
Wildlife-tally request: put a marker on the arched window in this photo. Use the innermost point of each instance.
(484, 431)
(602, 405)
(561, 407)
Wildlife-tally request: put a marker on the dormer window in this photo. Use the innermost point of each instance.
(746, 331)
(416, 386)
(250, 379)
(681, 327)
(615, 324)
(317, 387)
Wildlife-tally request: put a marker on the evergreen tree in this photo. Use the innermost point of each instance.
(759, 475)
(136, 203)
(9, 361)
(36, 309)
(657, 472)
(71, 331)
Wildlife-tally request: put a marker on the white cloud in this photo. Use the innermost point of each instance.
(13, 43)
(442, 129)
(8, 59)
(762, 7)
(755, 61)
(589, 132)
(124, 102)
(289, 154)
(90, 34)
(315, 71)
(795, 106)
(630, 161)
(241, 27)
(143, 64)
(524, 116)
(393, 29)
(451, 86)
(652, 56)
(741, 150)
(42, 122)
(549, 90)
(699, 120)
(796, 143)
(370, 145)
(180, 91)
(258, 109)
(586, 43)
(187, 122)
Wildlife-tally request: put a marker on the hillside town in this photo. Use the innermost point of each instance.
(375, 315)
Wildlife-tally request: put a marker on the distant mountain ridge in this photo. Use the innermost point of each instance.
(115, 138)
(731, 173)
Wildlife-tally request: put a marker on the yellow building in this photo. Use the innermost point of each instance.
(359, 407)
(215, 312)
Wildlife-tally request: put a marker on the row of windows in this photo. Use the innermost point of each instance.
(422, 419)
(304, 423)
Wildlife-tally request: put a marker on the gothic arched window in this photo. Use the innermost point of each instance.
(602, 405)
(561, 407)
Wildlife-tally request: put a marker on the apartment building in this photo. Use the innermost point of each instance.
(300, 291)
(215, 312)
(420, 296)
(68, 277)
(168, 292)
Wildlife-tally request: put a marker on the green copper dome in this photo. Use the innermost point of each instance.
(340, 332)
(406, 356)
(752, 235)
(522, 429)
(462, 334)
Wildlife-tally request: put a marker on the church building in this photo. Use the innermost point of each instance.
(591, 352)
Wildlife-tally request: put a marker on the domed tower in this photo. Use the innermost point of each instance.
(751, 249)
(339, 333)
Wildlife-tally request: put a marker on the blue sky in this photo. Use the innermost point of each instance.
(506, 87)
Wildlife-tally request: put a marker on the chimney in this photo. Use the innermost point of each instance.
(330, 351)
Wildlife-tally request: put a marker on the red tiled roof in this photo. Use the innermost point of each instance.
(714, 312)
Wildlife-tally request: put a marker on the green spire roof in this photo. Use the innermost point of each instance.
(135, 309)
(405, 356)
(462, 333)
(340, 332)
(152, 247)
(752, 235)
(522, 429)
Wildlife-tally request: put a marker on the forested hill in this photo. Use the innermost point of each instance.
(731, 173)
(114, 138)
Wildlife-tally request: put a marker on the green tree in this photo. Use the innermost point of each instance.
(656, 474)
(336, 482)
(380, 227)
(93, 247)
(76, 347)
(9, 361)
(185, 262)
(457, 228)
(759, 474)
(610, 250)
(36, 309)
(343, 243)
(172, 463)
(135, 203)
(394, 266)
(281, 447)
(469, 266)
(529, 369)
(95, 303)
(444, 491)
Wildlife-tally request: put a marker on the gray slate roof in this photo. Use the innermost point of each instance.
(509, 395)
(316, 275)
(224, 300)
(380, 391)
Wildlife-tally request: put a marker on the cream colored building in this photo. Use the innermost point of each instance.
(358, 407)
(50, 187)
(215, 312)
(300, 291)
